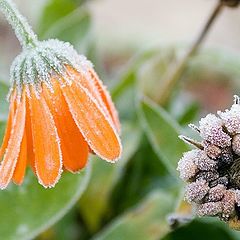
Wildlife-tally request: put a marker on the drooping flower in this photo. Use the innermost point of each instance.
(212, 172)
(59, 112)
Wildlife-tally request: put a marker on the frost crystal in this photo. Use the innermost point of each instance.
(211, 129)
(203, 162)
(214, 187)
(196, 191)
(216, 193)
(236, 144)
(212, 150)
(231, 119)
(210, 209)
(37, 65)
(186, 165)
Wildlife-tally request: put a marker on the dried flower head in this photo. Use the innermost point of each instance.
(213, 169)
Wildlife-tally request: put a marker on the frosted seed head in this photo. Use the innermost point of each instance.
(236, 144)
(211, 130)
(186, 166)
(204, 163)
(196, 191)
(37, 65)
(209, 209)
(212, 150)
(216, 193)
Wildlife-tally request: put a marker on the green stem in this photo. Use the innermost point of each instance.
(174, 74)
(22, 29)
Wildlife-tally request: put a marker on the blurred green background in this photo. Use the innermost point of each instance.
(132, 44)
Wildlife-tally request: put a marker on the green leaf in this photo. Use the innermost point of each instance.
(72, 28)
(163, 133)
(29, 209)
(54, 11)
(128, 76)
(95, 200)
(198, 230)
(145, 222)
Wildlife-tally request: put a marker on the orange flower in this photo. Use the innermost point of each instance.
(59, 112)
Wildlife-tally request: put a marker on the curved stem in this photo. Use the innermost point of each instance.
(22, 29)
(175, 73)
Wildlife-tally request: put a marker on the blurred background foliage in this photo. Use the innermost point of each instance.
(140, 197)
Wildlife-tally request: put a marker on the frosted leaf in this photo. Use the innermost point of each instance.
(236, 144)
(231, 119)
(196, 191)
(211, 129)
(186, 165)
(209, 209)
(216, 193)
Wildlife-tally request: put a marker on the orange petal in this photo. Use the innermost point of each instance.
(94, 125)
(48, 162)
(13, 148)
(96, 89)
(28, 129)
(74, 147)
(9, 126)
(19, 172)
(106, 98)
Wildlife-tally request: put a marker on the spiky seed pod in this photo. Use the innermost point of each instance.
(234, 173)
(226, 157)
(209, 209)
(203, 162)
(221, 180)
(207, 175)
(186, 165)
(228, 203)
(236, 144)
(237, 197)
(216, 193)
(196, 191)
(212, 150)
(211, 130)
(215, 187)
(231, 119)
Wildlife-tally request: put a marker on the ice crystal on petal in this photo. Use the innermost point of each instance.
(186, 165)
(211, 129)
(37, 65)
(196, 191)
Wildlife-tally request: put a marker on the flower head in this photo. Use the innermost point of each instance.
(213, 170)
(59, 112)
